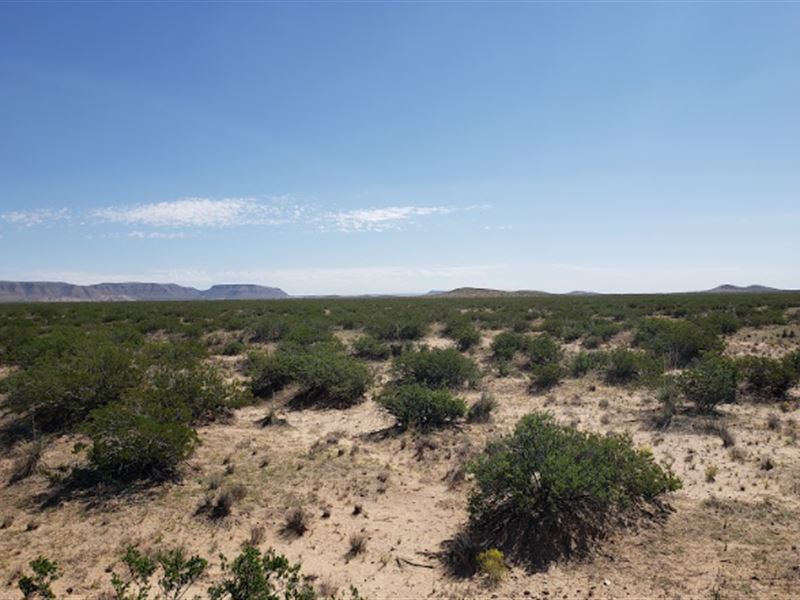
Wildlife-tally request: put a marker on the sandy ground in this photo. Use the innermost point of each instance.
(735, 537)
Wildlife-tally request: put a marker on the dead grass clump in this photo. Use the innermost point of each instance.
(27, 461)
(7, 521)
(774, 422)
(481, 411)
(220, 505)
(297, 522)
(719, 429)
(257, 534)
(357, 544)
(767, 463)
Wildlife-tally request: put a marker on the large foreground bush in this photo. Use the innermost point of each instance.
(418, 407)
(441, 368)
(139, 438)
(58, 392)
(549, 490)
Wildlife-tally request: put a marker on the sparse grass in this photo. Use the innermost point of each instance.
(27, 462)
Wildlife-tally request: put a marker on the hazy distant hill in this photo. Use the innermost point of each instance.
(471, 292)
(56, 291)
(736, 289)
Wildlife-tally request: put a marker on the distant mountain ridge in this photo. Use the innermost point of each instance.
(57, 291)
(473, 292)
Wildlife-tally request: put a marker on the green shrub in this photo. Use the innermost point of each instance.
(371, 348)
(398, 329)
(178, 573)
(332, 378)
(418, 407)
(233, 348)
(268, 329)
(583, 362)
(60, 392)
(622, 366)
(199, 387)
(270, 373)
(677, 342)
(544, 377)
(792, 363)
(45, 572)
(548, 490)
(253, 576)
(543, 350)
(439, 368)
(711, 382)
(139, 438)
(463, 332)
(767, 378)
(507, 344)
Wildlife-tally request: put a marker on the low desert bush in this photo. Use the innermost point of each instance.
(678, 342)
(331, 378)
(139, 438)
(58, 393)
(549, 490)
(767, 379)
(463, 332)
(371, 348)
(622, 366)
(270, 373)
(544, 377)
(507, 344)
(711, 382)
(357, 544)
(199, 387)
(543, 350)
(417, 407)
(440, 368)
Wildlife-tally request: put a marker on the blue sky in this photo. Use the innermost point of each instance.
(401, 147)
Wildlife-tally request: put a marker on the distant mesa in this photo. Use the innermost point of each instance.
(54, 291)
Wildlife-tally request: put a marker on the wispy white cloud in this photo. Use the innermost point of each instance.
(149, 220)
(193, 212)
(36, 217)
(378, 219)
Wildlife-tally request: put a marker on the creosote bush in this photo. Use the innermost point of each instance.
(59, 392)
(544, 377)
(678, 342)
(711, 382)
(371, 348)
(139, 438)
(417, 407)
(508, 344)
(550, 490)
(438, 368)
(767, 378)
(543, 350)
(325, 375)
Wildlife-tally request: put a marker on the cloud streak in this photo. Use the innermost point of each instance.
(150, 220)
(34, 218)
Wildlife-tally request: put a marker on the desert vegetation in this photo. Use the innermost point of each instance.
(455, 447)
